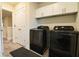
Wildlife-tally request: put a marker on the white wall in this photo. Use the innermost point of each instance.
(59, 21)
(33, 21)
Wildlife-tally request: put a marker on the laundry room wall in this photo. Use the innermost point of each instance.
(65, 20)
(33, 21)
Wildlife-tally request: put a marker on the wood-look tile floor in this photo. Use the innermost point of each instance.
(9, 46)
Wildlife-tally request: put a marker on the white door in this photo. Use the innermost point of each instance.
(19, 24)
(1, 33)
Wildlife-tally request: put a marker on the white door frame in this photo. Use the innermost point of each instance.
(1, 34)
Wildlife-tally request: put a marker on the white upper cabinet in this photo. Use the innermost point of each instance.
(39, 13)
(57, 9)
(69, 7)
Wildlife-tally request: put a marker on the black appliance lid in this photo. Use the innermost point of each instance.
(64, 28)
(43, 27)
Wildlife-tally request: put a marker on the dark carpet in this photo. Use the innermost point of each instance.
(22, 52)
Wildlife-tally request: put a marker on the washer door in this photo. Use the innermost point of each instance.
(64, 43)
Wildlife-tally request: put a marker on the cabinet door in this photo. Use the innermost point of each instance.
(40, 13)
(44, 11)
(69, 7)
(47, 10)
(57, 9)
(64, 7)
(53, 9)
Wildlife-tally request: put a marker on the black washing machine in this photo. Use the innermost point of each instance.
(63, 42)
(38, 39)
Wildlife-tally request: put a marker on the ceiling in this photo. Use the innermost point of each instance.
(44, 2)
(12, 3)
(39, 3)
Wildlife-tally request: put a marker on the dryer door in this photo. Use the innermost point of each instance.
(63, 44)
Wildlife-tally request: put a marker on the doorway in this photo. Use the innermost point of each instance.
(7, 25)
(7, 29)
(8, 43)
